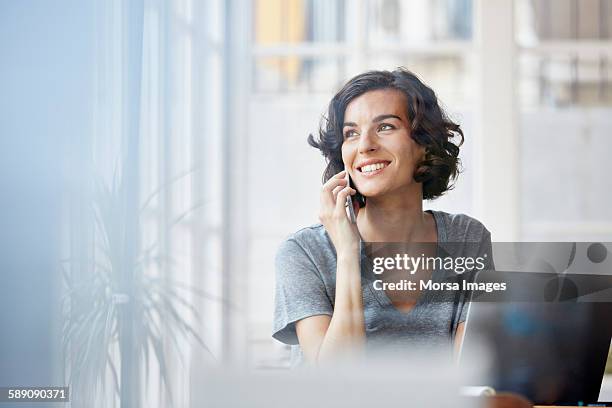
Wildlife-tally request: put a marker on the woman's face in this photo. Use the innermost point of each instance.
(378, 151)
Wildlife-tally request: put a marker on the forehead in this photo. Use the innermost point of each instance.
(375, 103)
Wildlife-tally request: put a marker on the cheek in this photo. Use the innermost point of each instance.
(410, 156)
(414, 151)
(347, 153)
(408, 152)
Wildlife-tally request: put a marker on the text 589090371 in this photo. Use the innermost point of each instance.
(34, 394)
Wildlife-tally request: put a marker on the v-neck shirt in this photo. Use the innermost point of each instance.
(305, 286)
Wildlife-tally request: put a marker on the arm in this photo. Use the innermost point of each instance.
(323, 337)
(459, 334)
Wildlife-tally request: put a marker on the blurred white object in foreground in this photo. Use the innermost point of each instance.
(412, 381)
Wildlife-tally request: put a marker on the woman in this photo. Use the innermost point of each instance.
(387, 130)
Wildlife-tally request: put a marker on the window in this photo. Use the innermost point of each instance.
(564, 97)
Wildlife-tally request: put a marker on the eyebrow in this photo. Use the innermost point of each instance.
(379, 118)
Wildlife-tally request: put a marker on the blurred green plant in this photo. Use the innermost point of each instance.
(118, 311)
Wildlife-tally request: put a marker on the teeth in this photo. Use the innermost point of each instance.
(373, 167)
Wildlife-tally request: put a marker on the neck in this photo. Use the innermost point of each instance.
(394, 218)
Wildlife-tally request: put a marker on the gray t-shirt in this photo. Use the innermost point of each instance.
(305, 286)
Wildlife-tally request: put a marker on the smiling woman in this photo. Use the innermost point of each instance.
(388, 132)
(406, 105)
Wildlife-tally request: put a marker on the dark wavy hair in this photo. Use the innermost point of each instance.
(429, 124)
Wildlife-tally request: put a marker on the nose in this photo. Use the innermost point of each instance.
(367, 142)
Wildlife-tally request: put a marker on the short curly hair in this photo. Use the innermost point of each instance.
(430, 127)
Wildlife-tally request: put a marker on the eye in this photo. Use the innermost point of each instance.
(385, 126)
(350, 133)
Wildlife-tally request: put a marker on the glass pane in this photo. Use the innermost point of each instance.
(298, 21)
(559, 80)
(449, 76)
(563, 20)
(415, 21)
(562, 153)
(593, 88)
(297, 74)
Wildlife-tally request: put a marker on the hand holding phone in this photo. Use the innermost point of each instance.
(337, 220)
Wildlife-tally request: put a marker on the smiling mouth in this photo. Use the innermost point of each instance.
(372, 169)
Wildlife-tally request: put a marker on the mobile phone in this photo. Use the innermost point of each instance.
(349, 201)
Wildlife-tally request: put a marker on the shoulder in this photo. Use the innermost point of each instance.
(306, 254)
(311, 241)
(462, 227)
(312, 234)
(466, 236)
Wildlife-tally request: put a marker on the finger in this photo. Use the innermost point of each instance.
(336, 190)
(341, 198)
(327, 197)
(340, 174)
(333, 182)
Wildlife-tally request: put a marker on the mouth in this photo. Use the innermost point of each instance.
(373, 169)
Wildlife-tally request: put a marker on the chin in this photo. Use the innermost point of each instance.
(372, 194)
(381, 192)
